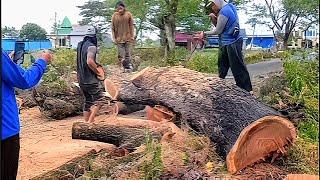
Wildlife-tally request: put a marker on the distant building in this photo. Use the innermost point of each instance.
(61, 37)
(69, 36)
(78, 33)
(309, 38)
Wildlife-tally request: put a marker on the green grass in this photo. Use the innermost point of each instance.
(303, 80)
(251, 57)
(152, 167)
(309, 131)
(204, 61)
(302, 158)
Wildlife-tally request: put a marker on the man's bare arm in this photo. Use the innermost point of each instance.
(92, 50)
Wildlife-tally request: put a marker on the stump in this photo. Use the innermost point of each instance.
(231, 117)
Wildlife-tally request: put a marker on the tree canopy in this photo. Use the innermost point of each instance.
(32, 31)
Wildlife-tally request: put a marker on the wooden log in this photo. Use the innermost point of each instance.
(122, 136)
(71, 170)
(56, 103)
(302, 177)
(216, 108)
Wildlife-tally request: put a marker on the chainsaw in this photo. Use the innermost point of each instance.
(197, 40)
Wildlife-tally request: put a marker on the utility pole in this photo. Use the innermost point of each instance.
(56, 29)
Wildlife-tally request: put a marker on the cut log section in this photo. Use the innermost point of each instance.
(213, 107)
(159, 114)
(302, 177)
(122, 136)
(268, 135)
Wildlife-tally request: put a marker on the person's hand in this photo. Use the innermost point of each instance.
(47, 56)
(100, 75)
(214, 18)
(11, 55)
(132, 40)
(200, 35)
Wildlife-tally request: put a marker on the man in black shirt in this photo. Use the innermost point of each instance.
(90, 76)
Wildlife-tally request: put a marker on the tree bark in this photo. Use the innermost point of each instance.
(58, 104)
(169, 26)
(73, 169)
(122, 136)
(211, 106)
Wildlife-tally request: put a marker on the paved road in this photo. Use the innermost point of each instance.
(262, 68)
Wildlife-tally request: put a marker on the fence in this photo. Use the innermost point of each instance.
(8, 45)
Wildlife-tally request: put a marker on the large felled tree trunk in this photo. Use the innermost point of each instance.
(244, 129)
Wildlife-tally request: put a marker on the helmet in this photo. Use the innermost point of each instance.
(91, 31)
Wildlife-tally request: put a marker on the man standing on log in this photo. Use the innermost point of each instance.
(90, 76)
(226, 22)
(123, 35)
(13, 76)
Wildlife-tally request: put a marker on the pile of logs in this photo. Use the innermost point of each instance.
(243, 129)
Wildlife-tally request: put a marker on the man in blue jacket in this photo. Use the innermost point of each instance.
(226, 22)
(13, 76)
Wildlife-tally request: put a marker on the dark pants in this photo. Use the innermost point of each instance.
(230, 56)
(93, 95)
(124, 55)
(10, 149)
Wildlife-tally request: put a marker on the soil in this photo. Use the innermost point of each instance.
(48, 144)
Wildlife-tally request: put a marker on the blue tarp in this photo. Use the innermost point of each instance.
(264, 42)
(8, 45)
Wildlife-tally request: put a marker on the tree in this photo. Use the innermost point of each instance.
(194, 17)
(54, 28)
(283, 16)
(9, 32)
(98, 14)
(32, 31)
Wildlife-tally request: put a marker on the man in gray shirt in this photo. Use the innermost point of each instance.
(226, 22)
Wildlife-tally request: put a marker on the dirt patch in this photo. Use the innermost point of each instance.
(47, 144)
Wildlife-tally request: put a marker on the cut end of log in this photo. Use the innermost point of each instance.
(263, 138)
(302, 177)
(139, 74)
(111, 88)
(159, 113)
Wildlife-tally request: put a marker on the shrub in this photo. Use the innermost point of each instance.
(64, 60)
(108, 56)
(206, 62)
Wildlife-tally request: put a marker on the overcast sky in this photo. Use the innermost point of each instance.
(16, 13)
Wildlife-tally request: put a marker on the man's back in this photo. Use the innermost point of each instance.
(85, 75)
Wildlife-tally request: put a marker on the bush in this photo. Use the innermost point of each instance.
(303, 79)
(252, 57)
(64, 60)
(108, 56)
(302, 158)
(206, 62)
